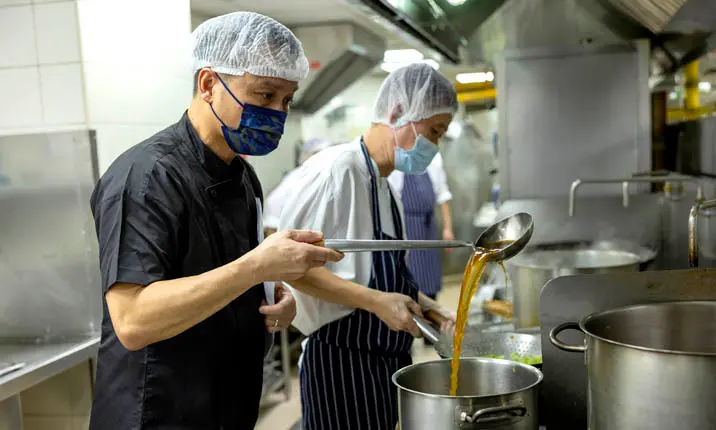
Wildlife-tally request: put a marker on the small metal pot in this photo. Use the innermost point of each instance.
(650, 367)
(532, 269)
(492, 394)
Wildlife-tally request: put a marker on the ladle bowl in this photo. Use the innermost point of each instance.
(507, 237)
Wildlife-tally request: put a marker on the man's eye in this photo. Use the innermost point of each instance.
(267, 96)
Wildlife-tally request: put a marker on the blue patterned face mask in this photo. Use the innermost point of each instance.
(259, 130)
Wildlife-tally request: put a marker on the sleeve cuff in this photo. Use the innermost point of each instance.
(129, 276)
(444, 197)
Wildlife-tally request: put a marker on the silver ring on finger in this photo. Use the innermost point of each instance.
(275, 324)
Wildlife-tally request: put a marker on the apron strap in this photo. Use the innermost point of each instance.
(397, 221)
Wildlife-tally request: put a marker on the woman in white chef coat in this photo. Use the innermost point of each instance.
(277, 198)
(343, 191)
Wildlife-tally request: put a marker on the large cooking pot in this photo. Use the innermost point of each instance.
(534, 267)
(650, 366)
(492, 394)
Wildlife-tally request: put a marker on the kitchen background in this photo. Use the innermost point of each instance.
(575, 89)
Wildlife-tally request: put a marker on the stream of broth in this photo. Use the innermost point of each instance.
(473, 272)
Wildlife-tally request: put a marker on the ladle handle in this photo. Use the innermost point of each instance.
(348, 245)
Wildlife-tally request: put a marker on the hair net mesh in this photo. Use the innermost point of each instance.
(241, 42)
(414, 92)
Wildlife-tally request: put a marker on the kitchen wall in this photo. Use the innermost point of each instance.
(40, 67)
(90, 64)
(348, 115)
(136, 69)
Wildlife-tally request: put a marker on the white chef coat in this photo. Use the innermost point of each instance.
(277, 198)
(436, 171)
(333, 195)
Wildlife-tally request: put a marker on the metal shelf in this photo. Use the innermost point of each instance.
(277, 368)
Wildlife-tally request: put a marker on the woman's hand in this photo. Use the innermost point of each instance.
(449, 319)
(280, 315)
(448, 235)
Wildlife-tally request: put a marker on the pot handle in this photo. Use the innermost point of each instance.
(561, 345)
(515, 409)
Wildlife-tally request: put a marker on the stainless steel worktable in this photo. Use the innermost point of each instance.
(42, 361)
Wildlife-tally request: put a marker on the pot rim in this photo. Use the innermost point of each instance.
(636, 261)
(528, 367)
(583, 322)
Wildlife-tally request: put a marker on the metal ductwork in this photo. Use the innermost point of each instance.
(474, 31)
(441, 26)
(339, 54)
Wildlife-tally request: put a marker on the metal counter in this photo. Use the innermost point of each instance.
(42, 361)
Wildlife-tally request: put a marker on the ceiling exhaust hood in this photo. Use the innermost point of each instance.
(438, 25)
(474, 31)
(339, 54)
(679, 30)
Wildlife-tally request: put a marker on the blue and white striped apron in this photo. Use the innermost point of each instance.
(419, 206)
(347, 364)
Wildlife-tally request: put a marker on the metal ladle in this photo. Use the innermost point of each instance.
(506, 238)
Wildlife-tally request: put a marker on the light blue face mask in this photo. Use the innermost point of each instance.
(416, 160)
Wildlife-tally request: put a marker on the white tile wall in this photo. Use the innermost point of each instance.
(113, 140)
(158, 37)
(20, 104)
(62, 94)
(129, 94)
(4, 3)
(17, 46)
(57, 32)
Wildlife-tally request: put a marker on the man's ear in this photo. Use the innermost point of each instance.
(205, 84)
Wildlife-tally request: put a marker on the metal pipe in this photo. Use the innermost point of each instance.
(625, 186)
(693, 230)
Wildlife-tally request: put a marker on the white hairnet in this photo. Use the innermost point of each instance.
(313, 145)
(414, 92)
(241, 42)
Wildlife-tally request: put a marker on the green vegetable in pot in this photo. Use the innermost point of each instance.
(524, 359)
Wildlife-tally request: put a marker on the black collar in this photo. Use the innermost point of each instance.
(215, 166)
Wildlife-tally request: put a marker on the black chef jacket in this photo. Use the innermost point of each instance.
(165, 209)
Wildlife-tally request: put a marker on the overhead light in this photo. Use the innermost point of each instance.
(705, 86)
(391, 67)
(673, 95)
(456, 2)
(402, 56)
(475, 77)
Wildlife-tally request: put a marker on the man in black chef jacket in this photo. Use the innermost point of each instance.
(183, 267)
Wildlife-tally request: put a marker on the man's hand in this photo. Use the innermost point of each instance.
(397, 310)
(288, 255)
(279, 315)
